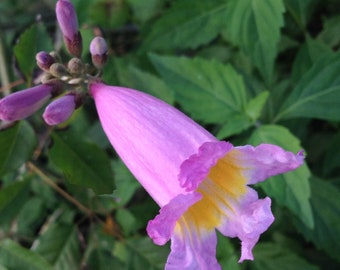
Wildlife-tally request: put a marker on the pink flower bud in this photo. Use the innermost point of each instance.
(60, 110)
(22, 104)
(68, 22)
(98, 49)
(44, 60)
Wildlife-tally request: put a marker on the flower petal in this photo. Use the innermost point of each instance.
(161, 227)
(265, 160)
(151, 137)
(192, 248)
(197, 167)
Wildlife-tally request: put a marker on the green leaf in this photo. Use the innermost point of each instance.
(226, 254)
(59, 245)
(33, 40)
(187, 24)
(125, 181)
(270, 256)
(326, 209)
(209, 90)
(235, 125)
(330, 34)
(12, 199)
(255, 27)
(255, 105)
(317, 95)
(144, 10)
(142, 254)
(290, 189)
(331, 161)
(300, 10)
(82, 162)
(14, 256)
(16, 146)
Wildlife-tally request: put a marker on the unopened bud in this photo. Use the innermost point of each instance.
(58, 70)
(44, 60)
(68, 22)
(98, 49)
(59, 110)
(75, 66)
(22, 104)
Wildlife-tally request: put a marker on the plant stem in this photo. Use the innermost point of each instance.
(62, 192)
(3, 71)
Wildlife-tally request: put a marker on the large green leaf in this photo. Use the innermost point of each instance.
(14, 256)
(317, 95)
(60, 246)
(255, 27)
(12, 199)
(269, 256)
(141, 254)
(290, 189)
(326, 209)
(300, 10)
(208, 90)
(33, 40)
(187, 24)
(82, 162)
(16, 146)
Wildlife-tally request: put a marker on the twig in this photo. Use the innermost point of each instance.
(3, 70)
(63, 193)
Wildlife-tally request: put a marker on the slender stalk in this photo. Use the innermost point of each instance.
(3, 71)
(62, 192)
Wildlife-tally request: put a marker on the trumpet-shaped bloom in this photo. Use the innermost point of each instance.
(200, 183)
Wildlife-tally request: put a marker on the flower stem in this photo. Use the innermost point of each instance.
(62, 192)
(3, 71)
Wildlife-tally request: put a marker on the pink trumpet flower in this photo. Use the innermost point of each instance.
(200, 183)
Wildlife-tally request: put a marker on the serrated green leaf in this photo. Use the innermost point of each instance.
(83, 163)
(59, 245)
(33, 40)
(12, 199)
(330, 34)
(299, 10)
(187, 24)
(255, 105)
(14, 256)
(208, 90)
(307, 55)
(290, 189)
(326, 209)
(317, 95)
(255, 27)
(142, 254)
(235, 125)
(100, 259)
(16, 146)
(269, 256)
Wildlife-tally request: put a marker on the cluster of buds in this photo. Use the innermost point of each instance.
(65, 83)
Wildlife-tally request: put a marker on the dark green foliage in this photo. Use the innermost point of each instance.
(250, 71)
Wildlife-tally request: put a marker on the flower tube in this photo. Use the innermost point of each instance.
(22, 104)
(200, 183)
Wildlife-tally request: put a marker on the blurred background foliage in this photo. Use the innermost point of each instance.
(250, 71)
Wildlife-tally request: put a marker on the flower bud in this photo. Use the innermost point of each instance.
(59, 110)
(22, 104)
(58, 70)
(75, 66)
(68, 22)
(98, 49)
(44, 60)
